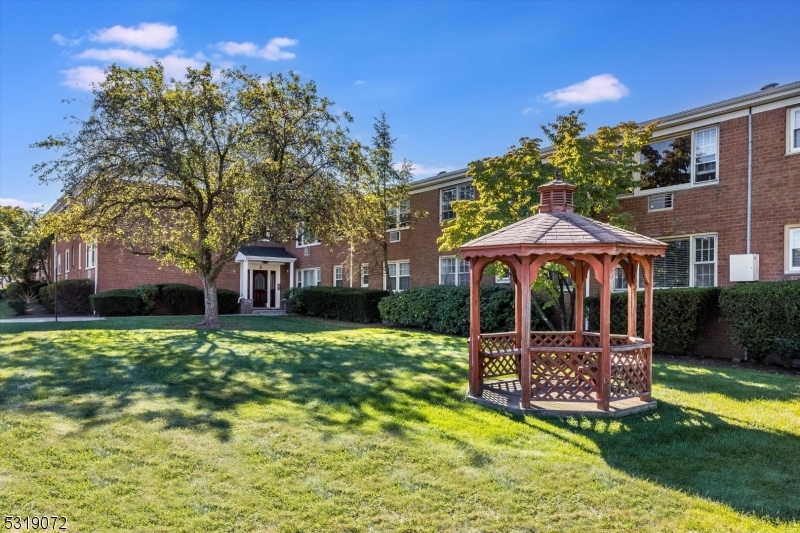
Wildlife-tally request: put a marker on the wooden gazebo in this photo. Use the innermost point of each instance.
(563, 371)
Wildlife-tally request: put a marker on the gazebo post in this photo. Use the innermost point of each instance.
(647, 267)
(578, 283)
(475, 274)
(605, 334)
(633, 291)
(524, 331)
(517, 318)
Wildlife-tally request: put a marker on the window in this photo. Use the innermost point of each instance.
(794, 130)
(58, 264)
(398, 217)
(447, 196)
(504, 277)
(365, 275)
(79, 256)
(689, 262)
(619, 282)
(338, 276)
(306, 238)
(309, 277)
(399, 275)
(453, 271)
(793, 249)
(670, 162)
(394, 236)
(66, 260)
(659, 202)
(91, 256)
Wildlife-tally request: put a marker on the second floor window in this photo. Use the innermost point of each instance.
(338, 276)
(450, 195)
(398, 217)
(306, 238)
(681, 160)
(91, 255)
(794, 130)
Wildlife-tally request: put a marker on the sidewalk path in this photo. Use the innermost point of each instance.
(52, 319)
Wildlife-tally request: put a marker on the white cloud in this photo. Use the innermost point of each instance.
(360, 82)
(118, 55)
(425, 171)
(148, 35)
(82, 77)
(66, 41)
(272, 51)
(19, 203)
(531, 111)
(175, 65)
(604, 87)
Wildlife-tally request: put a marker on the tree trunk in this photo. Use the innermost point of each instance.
(541, 314)
(210, 299)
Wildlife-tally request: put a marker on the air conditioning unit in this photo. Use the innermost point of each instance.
(656, 202)
(744, 267)
(394, 236)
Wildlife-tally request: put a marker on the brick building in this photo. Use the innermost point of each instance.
(724, 193)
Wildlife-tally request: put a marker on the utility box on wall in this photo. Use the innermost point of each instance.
(744, 267)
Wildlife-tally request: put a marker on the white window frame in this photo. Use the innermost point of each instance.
(657, 209)
(394, 236)
(460, 193)
(91, 253)
(395, 214)
(618, 274)
(458, 274)
(79, 256)
(692, 251)
(317, 276)
(364, 280)
(66, 261)
(397, 276)
(58, 264)
(693, 169)
(300, 241)
(789, 230)
(338, 270)
(793, 124)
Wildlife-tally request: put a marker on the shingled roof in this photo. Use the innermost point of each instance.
(271, 252)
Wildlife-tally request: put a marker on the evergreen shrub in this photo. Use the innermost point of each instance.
(445, 309)
(680, 316)
(227, 301)
(118, 302)
(148, 294)
(73, 296)
(181, 298)
(336, 303)
(18, 306)
(765, 317)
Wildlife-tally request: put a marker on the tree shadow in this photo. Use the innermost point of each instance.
(694, 451)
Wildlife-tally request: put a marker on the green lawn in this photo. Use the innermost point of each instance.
(287, 424)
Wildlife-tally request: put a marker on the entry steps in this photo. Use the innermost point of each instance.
(269, 312)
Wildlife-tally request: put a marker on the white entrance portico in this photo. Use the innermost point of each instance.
(260, 274)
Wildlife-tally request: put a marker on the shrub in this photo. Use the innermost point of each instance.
(765, 317)
(148, 294)
(18, 306)
(680, 316)
(337, 303)
(445, 309)
(14, 290)
(181, 298)
(73, 296)
(119, 302)
(227, 301)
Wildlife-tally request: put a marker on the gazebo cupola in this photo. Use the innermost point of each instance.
(566, 372)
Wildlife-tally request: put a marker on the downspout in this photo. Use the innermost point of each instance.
(96, 262)
(351, 265)
(749, 183)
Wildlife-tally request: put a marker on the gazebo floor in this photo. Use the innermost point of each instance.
(505, 395)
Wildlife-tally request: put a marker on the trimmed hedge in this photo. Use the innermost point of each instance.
(73, 296)
(18, 306)
(118, 302)
(181, 298)
(445, 309)
(227, 301)
(765, 317)
(679, 316)
(336, 303)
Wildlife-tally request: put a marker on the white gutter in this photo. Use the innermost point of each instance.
(749, 175)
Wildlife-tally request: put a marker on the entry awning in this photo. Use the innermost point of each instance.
(271, 254)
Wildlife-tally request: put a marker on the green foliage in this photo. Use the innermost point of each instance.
(23, 250)
(118, 302)
(765, 317)
(14, 290)
(18, 306)
(181, 298)
(73, 296)
(148, 294)
(228, 301)
(336, 303)
(680, 316)
(445, 309)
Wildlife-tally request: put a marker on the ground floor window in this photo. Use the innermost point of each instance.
(365, 275)
(688, 262)
(453, 271)
(793, 249)
(619, 282)
(338, 276)
(309, 277)
(399, 275)
(91, 255)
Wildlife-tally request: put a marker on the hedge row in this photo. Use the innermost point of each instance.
(445, 309)
(337, 303)
(765, 318)
(680, 316)
(176, 297)
(72, 296)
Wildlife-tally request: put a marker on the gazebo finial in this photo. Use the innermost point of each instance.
(556, 195)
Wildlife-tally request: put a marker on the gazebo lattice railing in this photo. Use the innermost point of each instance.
(564, 366)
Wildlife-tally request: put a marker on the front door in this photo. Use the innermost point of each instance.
(259, 288)
(273, 281)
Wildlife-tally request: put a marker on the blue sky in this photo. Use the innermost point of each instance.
(458, 80)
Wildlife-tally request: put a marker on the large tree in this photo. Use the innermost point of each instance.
(23, 252)
(602, 165)
(187, 171)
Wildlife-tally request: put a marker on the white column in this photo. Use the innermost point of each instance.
(291, 274)
(243, 279)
